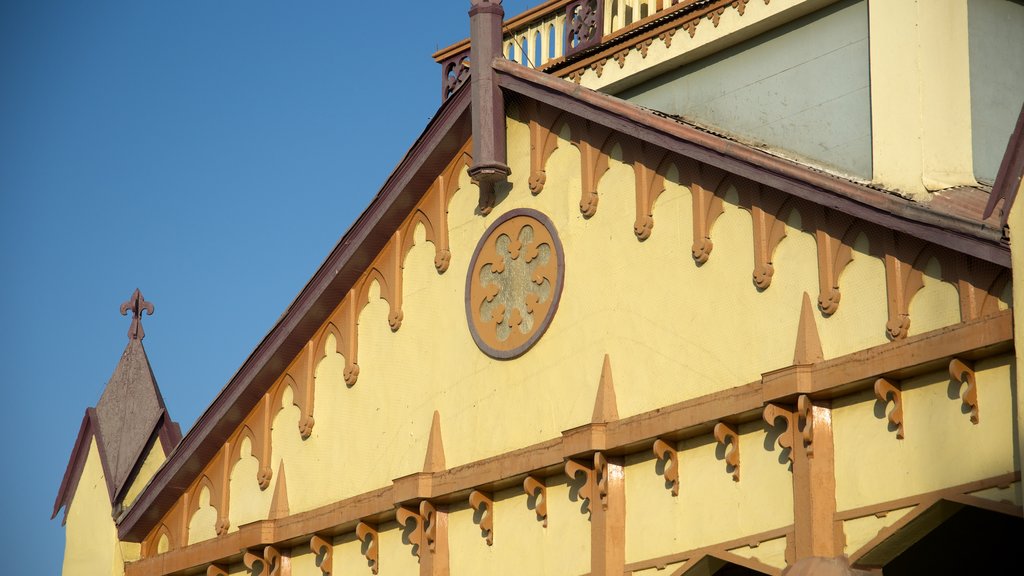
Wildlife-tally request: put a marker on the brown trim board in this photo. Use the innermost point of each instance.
(444, 136)
(881, 208)
(679, 420)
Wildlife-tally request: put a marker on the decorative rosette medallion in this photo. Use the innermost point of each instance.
(514, 283)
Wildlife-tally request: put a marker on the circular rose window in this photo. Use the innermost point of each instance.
(514, 283)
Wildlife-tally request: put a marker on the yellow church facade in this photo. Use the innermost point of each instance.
(581, 330)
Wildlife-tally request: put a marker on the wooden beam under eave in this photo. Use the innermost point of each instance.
(903, 358)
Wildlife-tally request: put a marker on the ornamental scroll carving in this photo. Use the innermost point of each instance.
(669, 458)
(483, 504)
(726, 434)
(538, 492)
(963, 373)
(884, 390)
(805, 422)
(368, 536)
(266, 564)
(772, 414)
(514, 283)
(413, 525)
(323, 552)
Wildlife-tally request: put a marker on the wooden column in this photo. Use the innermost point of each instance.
(814, 483)
(434, 559)
(608, 517)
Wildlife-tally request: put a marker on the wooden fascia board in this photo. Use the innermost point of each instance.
(684, 419)
(76, 462)
(446, 132)
(1011, 171)
(883, 209)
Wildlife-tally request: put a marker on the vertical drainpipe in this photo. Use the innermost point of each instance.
(490, 162)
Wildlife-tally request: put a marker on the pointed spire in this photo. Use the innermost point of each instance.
(279, 503)
(605, 409)
(808, 344)
(137, 304)
(434, 462)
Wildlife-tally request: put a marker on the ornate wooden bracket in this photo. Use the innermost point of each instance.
(601, 478)
(598, 66)
(573, 469)
(643, 46)
(343, 325)
(669, 457)
(386, 270)
(772, 413)
(963, 373)
(620, 57)
(691, 26)
(258, 429)
(536, 489)
(649, 172)
(593, 163)
(707, 206)
(741, 5)
(305, 386)
(715, 15)
(834, 254)
(403, 516)
(543, 142)
(266, 564)
(323, 552)
(429, 515)
(215, 570)
(805, 422)
(666, 37)
(902, 281)
(724, 434)
(766, 211)
(369, 537)
(883, 390)
(979, 284)
(483, 504)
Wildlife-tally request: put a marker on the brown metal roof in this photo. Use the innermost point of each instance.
(955, 230)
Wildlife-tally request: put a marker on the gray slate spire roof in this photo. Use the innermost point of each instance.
(129, 416)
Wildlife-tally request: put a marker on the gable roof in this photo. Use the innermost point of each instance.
(444, 135)
(130, 412)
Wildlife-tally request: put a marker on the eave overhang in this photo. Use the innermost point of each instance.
(446, 133)
(971, 237)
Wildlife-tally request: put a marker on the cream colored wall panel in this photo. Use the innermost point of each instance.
(91, 547)
(706, 491)
(942, 447)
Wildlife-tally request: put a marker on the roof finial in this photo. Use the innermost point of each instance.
(137, 304)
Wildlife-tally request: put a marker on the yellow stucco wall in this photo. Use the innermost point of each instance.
(91, 547)
(942, 447)
(522, 544)
(150, 464)
(706, 491)
(671, 329)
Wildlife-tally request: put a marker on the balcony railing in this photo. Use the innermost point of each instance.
(554, 31)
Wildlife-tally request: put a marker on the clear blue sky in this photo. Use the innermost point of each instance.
(209, 152)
